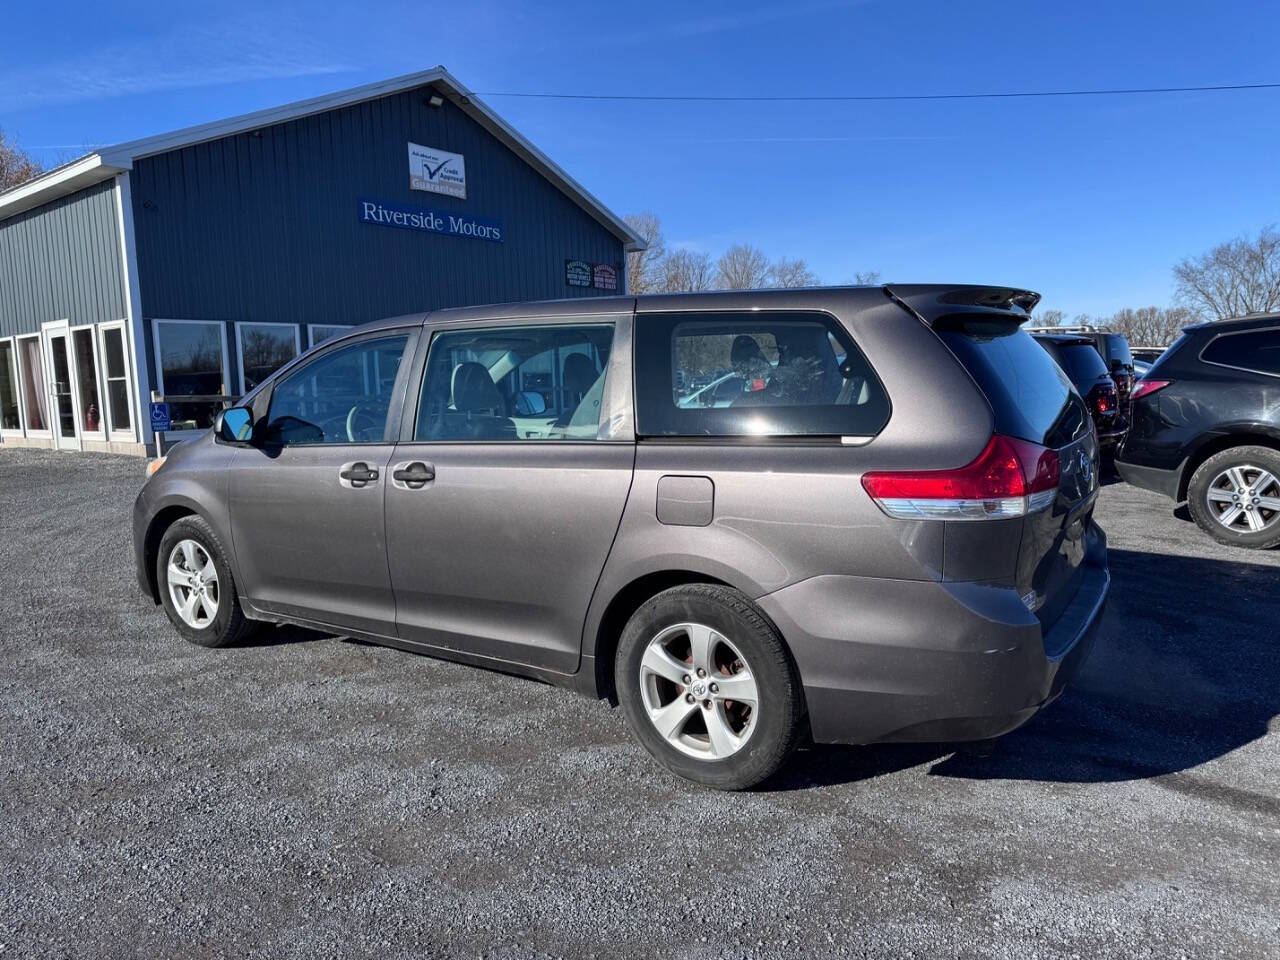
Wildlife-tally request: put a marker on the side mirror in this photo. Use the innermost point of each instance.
(529, 403)
(236, 425)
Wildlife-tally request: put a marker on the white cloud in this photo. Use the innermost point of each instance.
(244, 48)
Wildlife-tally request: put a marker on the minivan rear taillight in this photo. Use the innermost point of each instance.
(1010, 478)
(1144, 388)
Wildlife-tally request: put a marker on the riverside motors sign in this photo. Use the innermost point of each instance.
(437, 171)
(429, 221)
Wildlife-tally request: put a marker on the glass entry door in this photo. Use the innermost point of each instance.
(66, 432)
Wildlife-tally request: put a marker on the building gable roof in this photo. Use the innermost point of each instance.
(109, 161)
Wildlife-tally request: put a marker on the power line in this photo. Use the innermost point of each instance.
(887, 97)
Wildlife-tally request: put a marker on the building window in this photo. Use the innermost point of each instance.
(318, 333)
(86, 363)
(263, 348)
(191, 361)
(115, 367)
(35, 396)
(10, 420)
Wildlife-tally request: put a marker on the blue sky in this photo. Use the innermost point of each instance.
(1090, 201)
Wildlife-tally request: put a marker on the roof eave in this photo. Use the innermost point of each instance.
(59, 182)
(114, 159)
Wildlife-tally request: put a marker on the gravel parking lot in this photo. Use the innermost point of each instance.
(309, 796)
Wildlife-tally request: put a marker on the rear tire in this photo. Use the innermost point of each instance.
(689, 720)
(196, 587)
(1234, 497)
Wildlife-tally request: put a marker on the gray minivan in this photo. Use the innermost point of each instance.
(884, 534)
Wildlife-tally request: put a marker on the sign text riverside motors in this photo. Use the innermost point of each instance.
(429, 221)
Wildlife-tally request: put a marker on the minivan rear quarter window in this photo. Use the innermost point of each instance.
(1029, 394)
(753, 375)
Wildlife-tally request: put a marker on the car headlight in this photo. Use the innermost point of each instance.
(155, 465)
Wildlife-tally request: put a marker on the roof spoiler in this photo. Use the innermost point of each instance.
(930, 302)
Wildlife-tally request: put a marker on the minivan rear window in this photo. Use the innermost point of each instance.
(753, 374)
(1029, 394)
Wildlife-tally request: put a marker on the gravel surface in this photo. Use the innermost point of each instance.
(313, 797)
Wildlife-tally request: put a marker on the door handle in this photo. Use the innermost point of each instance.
(415, 475)
(358, 474)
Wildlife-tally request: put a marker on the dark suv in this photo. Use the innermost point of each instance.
(1079, 359)
(1206, 429)
(884, 533)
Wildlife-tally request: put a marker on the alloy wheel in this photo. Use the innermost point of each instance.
(193, 584)
(1245, 499)
(698, 691)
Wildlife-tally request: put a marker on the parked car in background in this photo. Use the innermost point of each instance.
(1140, 367)
(1081, 362)
(1148, 355)
(889, 538)
(1115, 353)
(1206, 429)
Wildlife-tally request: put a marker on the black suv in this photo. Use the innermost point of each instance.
(1206, 429)
(1081, 362)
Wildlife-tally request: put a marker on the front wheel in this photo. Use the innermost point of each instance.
(196, 588)
(1234, 496)
(708, 687)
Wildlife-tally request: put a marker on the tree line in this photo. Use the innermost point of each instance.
(741, 267)
(1234, 279)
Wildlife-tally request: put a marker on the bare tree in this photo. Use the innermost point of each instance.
(685, 271)
(16, 165)
(642, 265)
(866, 278)
(742, 267)
(1235, 278)
(791, 273)
(1150, 326)
(1051, 318)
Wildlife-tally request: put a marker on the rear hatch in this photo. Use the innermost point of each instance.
(1035, 406)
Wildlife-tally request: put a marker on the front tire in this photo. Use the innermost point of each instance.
(196, 588)
(708, 687)
(1234, 496)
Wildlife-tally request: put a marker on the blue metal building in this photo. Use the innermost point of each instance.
(195, 262)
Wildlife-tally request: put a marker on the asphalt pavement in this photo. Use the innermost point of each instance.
(308, 796)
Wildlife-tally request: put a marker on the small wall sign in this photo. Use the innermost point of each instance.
(604, 276)
(577, 273)
(437, 171)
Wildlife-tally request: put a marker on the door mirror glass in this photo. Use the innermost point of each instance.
(530, 403)
(236, 425)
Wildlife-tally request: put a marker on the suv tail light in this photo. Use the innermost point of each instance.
(1010, 478)
(1144, 388)
(1105, 400)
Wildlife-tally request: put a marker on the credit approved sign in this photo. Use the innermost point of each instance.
(437, 171)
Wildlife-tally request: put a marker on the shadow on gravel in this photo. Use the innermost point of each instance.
(269, 635)
(1193, 675)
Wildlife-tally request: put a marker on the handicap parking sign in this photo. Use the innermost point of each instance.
(160, 417)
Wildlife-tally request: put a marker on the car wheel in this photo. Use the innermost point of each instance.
(1234, 496)
(196, 587)
(708, 687)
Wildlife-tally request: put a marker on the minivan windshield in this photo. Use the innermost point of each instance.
(1029, 394)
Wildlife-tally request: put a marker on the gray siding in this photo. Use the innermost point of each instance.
(62, 261)
(263, 225)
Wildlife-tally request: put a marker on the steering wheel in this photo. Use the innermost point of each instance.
(364, 418)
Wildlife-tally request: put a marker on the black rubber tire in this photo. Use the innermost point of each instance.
(230, 626)
(1198, 503)
(780, 716)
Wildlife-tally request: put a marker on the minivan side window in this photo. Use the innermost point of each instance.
(1256, 350)
(753, 374)
(515, 383)
(342, 396)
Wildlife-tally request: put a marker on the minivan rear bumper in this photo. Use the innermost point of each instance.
(904, 660)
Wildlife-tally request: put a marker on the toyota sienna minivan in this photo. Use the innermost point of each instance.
(885, 533)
